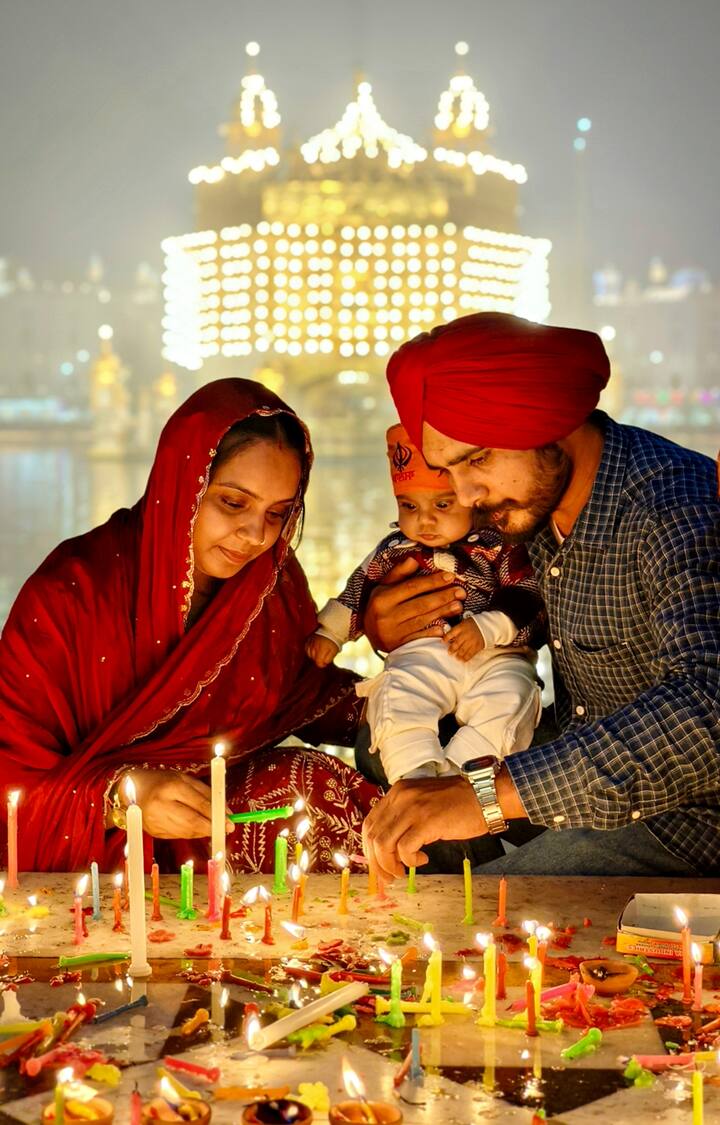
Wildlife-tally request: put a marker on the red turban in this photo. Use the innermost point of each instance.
(497, 381)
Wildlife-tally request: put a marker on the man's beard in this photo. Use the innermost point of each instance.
(551, 480)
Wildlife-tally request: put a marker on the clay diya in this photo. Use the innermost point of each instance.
(357, 1113)
(608, 977)
(187, 1110)
(97, 1111)
(277, 1112)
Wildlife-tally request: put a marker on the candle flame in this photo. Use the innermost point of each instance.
(32, 899)
(681, 916)
(294, 872)
(530, 963)
(341, 859)
(130, 791)
(429, 941)
(224, 995)
(254, 1027)
(118, 985)
(303, 827)
(2, 886)
(219, 749)
(65, 1075)
(304, 863)
(543, 933)
(225, 880)
(299, 804)
(696, 953)
(352, 1081)
(81, 998)
(285, 832)
(250, 897)
(385, 956)
(118, 879)
(294, 929)
(126, 851)
(13, 798)
(81, 886)
(530, 926)
(483, 940)
(263, 894)
(168, 1092)
(468, 973)
(219, 857)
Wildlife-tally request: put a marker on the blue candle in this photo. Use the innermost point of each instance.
(416, 1070)
(95, 878)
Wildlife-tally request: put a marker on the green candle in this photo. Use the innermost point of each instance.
(260, 815)
(411, 888)
(91, 959)
(280, 886)
(187, 891)
(396, 1016)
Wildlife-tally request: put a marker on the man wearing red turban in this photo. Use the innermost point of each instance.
(623, 530)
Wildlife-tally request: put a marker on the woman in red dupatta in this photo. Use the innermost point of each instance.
(100, 671)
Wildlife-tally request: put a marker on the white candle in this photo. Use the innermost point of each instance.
(12, 821)
(312, 1012)
(217, 785)
(139, 966)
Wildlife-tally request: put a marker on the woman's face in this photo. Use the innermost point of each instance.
(244, 508)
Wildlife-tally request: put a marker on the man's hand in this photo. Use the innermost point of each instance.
(174, 805)
(415, 813)
(464, 640)
(321, 650)
(402, 608)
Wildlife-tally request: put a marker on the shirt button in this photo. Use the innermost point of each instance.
(579, 710)
(555, 571)
(635, 815)
(558, 819)
(557, 643)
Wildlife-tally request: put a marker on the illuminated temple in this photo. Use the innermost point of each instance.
(315, 263)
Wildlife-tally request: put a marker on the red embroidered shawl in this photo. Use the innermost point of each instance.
(97, 672)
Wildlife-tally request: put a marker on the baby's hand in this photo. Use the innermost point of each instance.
(321, 650)
(464, 640)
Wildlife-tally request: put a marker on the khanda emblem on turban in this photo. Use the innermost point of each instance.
(401, 457)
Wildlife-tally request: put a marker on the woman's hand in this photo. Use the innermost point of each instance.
(174, 805)
(321, 650)
(403, 608)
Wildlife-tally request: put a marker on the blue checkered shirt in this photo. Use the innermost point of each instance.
(633, 600)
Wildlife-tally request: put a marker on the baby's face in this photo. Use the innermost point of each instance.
(433, 518)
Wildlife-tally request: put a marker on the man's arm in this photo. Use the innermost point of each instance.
(661, 751)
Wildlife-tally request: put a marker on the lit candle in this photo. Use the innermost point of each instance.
(117, 903)
(411, 888)
(395, 1016)
(267, 938)
(214, 870)
(139, 966)
(532, 941)
(155, 878)
(344, 864)
(225, 934)
(434, 981)
(95, 881)
(530, 1008)
(218, 809)
(12, 827)
(295, 905)
(543, 936)
(304, 864)
(63, 1076)
(500, 992)
(488, 1014)
(79, 892)
(697, 994)
(501, 919)
(301, 832)
(280, 886)
(467, 880)
(686, 954)
(535, 969)
(697, 1097)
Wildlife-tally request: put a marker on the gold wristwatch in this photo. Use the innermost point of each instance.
(481, 773)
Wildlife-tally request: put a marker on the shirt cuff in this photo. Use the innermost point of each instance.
(549, 786)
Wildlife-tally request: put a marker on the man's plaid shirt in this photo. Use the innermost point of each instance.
(633, 600)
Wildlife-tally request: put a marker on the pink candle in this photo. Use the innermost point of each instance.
(697, 991)
(501, 993)
(79, 892)
(215, 869)
(12, 815)
(686, 954)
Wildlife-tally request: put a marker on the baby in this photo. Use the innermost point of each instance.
(483, 668)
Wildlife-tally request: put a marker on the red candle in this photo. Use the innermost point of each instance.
(79, 892)
(12, 815)
(117, 904)
(225, 934)
(155, 874)
(212, 910)
(500, 993)
(530, 1007)
(267, 934)
(686, 954)
(501, 919)
(135, 1107)
(697, 993)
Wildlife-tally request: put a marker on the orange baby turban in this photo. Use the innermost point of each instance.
(408, 469)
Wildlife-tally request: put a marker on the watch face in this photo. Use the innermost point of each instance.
(486, 762)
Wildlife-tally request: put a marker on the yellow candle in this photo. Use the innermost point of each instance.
(530, 928)
(467, 878)
(488, 1013)
(534, 967)
(344, 864)
(433, 984)
(697, 1097)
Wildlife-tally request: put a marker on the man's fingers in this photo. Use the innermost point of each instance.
(409, 849)
(432, 631)
(400, 571)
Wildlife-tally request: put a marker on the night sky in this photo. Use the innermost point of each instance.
(105, 107)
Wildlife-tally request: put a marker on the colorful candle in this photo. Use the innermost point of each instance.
(433, 982)
(187, 889)
(416, 1071)
(697, 1097)
(395, 1016)
(697, 991)
(214, 870)
(155, 878)
(344, 864)
(65, 1075)
(534, 967)
(686, 954)
(135, 1107)
(126, 882)
(530, 1007)
(3, 907)
(267, 938)
(304, 864)
(468, 920)
(95, 881)
(500, 992)
(117, 905)
(532, 941)
(139, 966)
(12, 828)
(543, 935)
(411, 888)
(218, 807)
(488, 1013)
(78, 908)
(295, 905)
(225, 934)
(280, 886)
(301, 831)
(261, 816)
(501, 919)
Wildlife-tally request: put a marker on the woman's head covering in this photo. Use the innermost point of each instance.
(409, 471)
(497, 381)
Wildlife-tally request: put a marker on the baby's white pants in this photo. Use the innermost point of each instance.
(495, 697)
